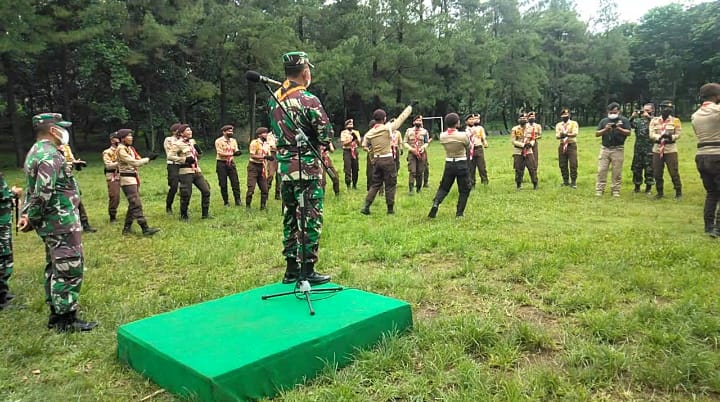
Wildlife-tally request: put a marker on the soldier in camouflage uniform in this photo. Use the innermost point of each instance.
(307, 114)
(50, 207)
(8, 198)
(642, 156)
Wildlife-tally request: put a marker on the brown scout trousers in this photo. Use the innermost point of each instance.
(255, 178)
(671, 160)
(351, 168)
(477, 163)
(113, 197)
(384, 172)
(568, 159)
(519, 164)
(186, 183)
(416, 167)
(135, 209)
(224, 172)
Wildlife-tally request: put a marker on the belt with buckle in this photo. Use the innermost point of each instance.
(384, 155)
(464, 158)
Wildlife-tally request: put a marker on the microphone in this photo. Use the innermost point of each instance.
(254, 76)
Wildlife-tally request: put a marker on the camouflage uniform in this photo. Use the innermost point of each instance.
(306, 113)
(51, 202)
(6, 251)
(642, 155)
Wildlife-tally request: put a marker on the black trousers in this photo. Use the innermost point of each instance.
(709, 168)
(384, 174)
(351, 167)
(454, 171)
(224, 172)
(173, 179)
(186, 183)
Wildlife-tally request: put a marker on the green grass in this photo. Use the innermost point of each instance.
(551, 294)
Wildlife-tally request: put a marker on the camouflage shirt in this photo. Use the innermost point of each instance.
(643, 143)
(6, 202)
(307, 113)
(51, 196)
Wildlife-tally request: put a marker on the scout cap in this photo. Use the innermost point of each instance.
(531, 114)
(565, 112)
(123, 132)
(51, 118)
(295, 59)
(261, 130)
(174, 127)
(182, 128)
(666, 104)
(114, 134)
(226, 127)
(348, 122)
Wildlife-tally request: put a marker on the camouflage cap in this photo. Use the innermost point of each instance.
(296, 58)
(54, 118)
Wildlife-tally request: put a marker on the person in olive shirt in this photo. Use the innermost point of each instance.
(456, 144)
(706, 122)
(379, 141)
(614, 130)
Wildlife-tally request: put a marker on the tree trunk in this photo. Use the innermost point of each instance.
(65, 82)
(12, 109)
(223, 99)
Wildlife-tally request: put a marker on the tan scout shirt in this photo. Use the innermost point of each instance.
(570, 128)
(168, 145)
(128, 162)
(520, 136)
(534, 129)
(180, 150)
(111, 164)
(658, 127)
(706, 122)
(346, 137)
(456, 143)
(258, 150)
(415, 140)
(225, 148)
(478, 137)
(379, 138)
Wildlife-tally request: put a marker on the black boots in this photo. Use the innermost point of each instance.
(411, 188)
(68, 322)
(292, 273)
(648, 188)
(678, 194)
(433, 210)
(127, 229)
(86, 227)
(366, 209)
(391, 209)
(148, 231)
(113, 218)
(637, 188)
(660, 193)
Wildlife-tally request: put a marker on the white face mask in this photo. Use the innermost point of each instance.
(613, 116)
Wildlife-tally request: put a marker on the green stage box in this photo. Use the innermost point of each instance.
(240, 347)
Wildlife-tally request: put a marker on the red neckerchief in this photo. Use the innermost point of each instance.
(229, 149)
(565, 140)
(136, 155)
(353, 145)
(706, 104)
(417, 141)
(526, 141)
(194, 155)
(393, 144)
(472, 141)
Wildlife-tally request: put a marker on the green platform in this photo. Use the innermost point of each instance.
(240, 347)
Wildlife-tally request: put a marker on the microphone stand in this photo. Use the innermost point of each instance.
(301, 284)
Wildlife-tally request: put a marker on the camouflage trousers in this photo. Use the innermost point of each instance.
(642, 165)
(6, 257)
(294, 198)
(63, 270)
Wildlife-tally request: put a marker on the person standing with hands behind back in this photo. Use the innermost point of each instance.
(706, 122)
(614, 130)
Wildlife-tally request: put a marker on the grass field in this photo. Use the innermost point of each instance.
(552, 294)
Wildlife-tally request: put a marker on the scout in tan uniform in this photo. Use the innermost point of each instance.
(331, 171)
(256, 168)
(225, 149)
(456, 144)
(706, 122)
(173, 168)
(112, 176)
(128, 162)
(665, 131)
(535, 130)
(416, 142)
(77, 164)
(186, 152)
(350, 139)
(523, 141)
(566, 131)
(379, 141)
(396, 147)
(272, 164)
(476, 152)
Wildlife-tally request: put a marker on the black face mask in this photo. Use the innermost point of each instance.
(565, 119)
(522, 122)
(531, 121)
(418, 125)
(665, 113)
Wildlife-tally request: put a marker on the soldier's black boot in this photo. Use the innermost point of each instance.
(535, 185)
(715, 232)
(313, 277)
(411, 187)
(4, 300)
(248, 201)
(366, 209)
(659, 192)
(127, 229)
(148, 231)
(86, 227)
(678, 194)
(637, 188)
(206, 213)
(565, 183)
(69, 322)
(292, 271)
(53, 319)
(648, 188)
(263, 203)
(573, 183)
(433, 210)
(391, 209)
